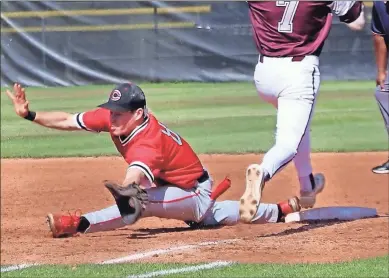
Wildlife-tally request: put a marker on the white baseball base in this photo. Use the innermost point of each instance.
(331, 213)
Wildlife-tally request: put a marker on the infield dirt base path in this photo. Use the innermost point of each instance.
(31, 188)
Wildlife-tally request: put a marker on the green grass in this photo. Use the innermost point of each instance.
(376, 267)
(212, 117)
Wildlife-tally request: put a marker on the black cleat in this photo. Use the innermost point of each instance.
(382, 169)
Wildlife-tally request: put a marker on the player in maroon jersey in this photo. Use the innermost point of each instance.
(289, 36)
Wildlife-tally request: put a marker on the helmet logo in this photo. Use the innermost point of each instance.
(116, 95)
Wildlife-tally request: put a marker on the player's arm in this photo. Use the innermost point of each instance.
(381, 55)
(134, 175)
(142, 161)
(351, 13)
(91, 121)
(380, 48)
(55, 120)
(131, 196)
(138, 171)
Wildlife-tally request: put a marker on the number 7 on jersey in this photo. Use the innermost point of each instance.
(286, 23)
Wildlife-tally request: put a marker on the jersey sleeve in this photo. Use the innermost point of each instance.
(96, 120)
(376, 24)
(348, 11)
(146, 158)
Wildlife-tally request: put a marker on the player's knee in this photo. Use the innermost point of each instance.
(226, 213)
(289, 140)
(289, 149)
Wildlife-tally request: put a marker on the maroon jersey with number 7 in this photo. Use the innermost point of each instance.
(296, 28)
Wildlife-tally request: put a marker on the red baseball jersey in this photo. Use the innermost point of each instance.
(297, 28)
(162, 155)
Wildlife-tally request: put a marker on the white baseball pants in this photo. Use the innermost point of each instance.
(292, 88)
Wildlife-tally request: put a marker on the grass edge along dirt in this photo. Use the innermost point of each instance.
(372, 267)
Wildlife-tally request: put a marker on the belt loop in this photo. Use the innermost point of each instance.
(298, 58)
(261, 58)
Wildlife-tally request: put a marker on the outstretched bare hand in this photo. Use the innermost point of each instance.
(381, 78)
(18, 98)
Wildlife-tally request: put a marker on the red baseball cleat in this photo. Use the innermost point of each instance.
(63, 225)
(289, 206)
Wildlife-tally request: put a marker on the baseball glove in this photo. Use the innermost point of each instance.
(131, 200)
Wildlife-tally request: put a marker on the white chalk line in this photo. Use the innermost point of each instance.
(164, 251)
(16, 267)
(135, 256)
(195, 268)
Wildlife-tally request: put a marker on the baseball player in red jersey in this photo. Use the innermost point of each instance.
(290, 36)
(165, 178)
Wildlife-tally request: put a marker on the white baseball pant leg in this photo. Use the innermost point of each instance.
(169, 202)
(292, 87)
(382, 97)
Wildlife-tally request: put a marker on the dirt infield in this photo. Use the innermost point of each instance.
(32, 188)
